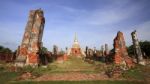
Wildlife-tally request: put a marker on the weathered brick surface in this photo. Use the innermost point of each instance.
(7, 57)
(65, 57)
(137, 48)
(61, 58)
(106, 50)
(121, 55)
(28, 52)
(76, 51)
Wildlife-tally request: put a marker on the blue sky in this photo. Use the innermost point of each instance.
(96, 22)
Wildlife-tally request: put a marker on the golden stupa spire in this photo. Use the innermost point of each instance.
(75, 38)
(76, 44)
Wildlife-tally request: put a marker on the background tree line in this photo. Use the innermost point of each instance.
(5, 50)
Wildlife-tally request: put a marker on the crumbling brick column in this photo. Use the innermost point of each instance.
(32, 40)
(121, 55)
(106, 50)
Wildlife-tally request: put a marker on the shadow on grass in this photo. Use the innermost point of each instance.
(79, 82)
(5, 77)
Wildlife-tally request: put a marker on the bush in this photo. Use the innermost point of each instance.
(5, 77)
(27, 69)
(134, 73)
(1, 68)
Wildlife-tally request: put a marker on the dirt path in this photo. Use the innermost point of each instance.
(73, 76)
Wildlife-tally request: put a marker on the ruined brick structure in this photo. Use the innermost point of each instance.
(102, 50)
(106, 52)
(7, 57)
(121, 55)
(86, 51)
(89, 52)
(55, 51)
(137, 49)
(61, 57)
(28, 52)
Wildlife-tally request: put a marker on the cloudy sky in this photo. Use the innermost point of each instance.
(96, 22)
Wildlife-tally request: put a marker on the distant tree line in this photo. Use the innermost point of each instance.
(5, 50)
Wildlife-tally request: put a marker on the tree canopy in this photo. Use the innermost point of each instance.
(145, 48)
(5, 50)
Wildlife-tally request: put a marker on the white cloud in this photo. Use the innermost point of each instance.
(108, 16)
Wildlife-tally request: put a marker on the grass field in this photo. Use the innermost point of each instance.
(137, 75)
(72, 64)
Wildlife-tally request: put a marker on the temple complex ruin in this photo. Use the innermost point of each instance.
(76, 50)
(28, 52)
(121, 55)
(137, 49)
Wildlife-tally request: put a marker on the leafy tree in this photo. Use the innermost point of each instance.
(1, 47)
(112, 50)
(5, 50)
(43, 52)
(130, 50)
(145, 47)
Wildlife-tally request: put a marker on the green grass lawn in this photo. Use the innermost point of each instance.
(137, 72)
(73, 64)
(5, 77)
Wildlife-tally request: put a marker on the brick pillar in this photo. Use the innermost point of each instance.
(121, 55)
(32, 39)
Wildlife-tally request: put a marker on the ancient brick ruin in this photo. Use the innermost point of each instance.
(55, 52)
(106, 52)
(102, 50)
(7, 57)
(28, 52)
(59, 55)
(137, 49)
(121, 55)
